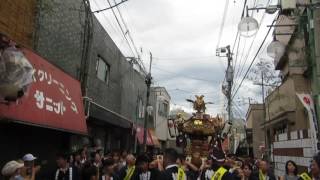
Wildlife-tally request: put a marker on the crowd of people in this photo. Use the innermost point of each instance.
(169, 166)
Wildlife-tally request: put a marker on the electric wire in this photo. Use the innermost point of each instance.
(111, 25)
(240, 71)
(104, 9)
(250, 48)
(244, 8)
(123, 32)
(130, 37)
(183, 75)
(260, 47)
(127, 29)
(237, 53)
(240, 60)
(223, 21)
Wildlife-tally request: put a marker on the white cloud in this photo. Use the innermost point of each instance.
(172, 29)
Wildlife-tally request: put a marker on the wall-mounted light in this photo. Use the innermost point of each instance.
(275, 49)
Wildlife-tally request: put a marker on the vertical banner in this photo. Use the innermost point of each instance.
(308, 103)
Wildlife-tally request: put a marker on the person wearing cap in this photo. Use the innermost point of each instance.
(172, 171)
(65, 171)
(220, 166)
(12, 170)
(30, 170)
(144, 172)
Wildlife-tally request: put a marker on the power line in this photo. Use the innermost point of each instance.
(240, 60)
(242, 53)
(236, 59)
(186, 91)
(244, 8)
(127, 32)
(183, 75)
(235, 41)
(223, 21)
(112, 25)
(116, 30)
(254, 58)
(130, 37)
(250, 48)
(183, 58)
(116, 5)
(238, 110)
(123, 32)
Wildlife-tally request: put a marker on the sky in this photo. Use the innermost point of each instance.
(183, 36)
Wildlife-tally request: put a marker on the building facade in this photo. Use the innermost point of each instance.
(75, 41)
(255, 134)
(160, 100)
(287, 123)
(70, 37)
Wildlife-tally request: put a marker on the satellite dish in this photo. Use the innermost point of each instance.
(248, 26)
(275, 49)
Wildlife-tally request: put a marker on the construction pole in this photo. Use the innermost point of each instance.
(146, 114)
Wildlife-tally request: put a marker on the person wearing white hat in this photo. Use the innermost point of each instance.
(12, 170)
(30, 170)
(29, 157)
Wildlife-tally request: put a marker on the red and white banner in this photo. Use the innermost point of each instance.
(308, 103)
(54, 99)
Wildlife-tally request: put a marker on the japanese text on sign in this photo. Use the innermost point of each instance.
(45, 102)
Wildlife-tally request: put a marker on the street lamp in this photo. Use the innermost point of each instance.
(275, 49)
(248, 26)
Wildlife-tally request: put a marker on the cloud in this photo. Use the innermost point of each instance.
(182, 36)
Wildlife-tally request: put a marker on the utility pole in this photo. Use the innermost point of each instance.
(226, 89)
(148, 81)
(229, 78)
(264, 107)
(264, 115)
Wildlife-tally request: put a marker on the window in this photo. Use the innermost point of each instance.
(102, 70)
(163, 109)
